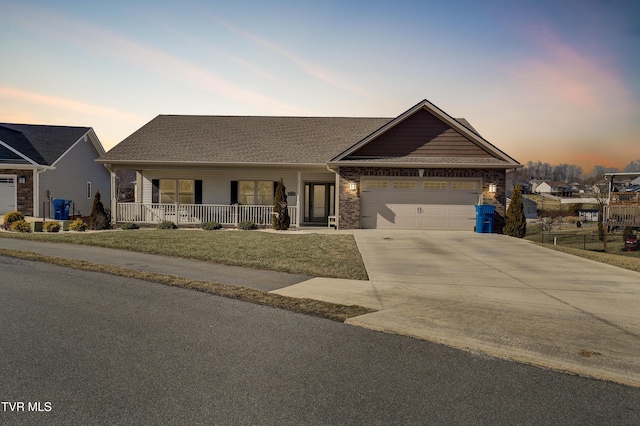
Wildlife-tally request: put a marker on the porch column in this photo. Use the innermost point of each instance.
(114, 200)
(298, 205)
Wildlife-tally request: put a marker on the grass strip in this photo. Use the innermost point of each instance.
(630, 263)
(332, 311)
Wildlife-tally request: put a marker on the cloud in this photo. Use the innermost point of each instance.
(97, 39)
(67, 104)
(307, 67)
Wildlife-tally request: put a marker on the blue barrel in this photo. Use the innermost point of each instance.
(484, 218)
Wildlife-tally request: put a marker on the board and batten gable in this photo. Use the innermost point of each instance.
(421, 135)
(72, 171)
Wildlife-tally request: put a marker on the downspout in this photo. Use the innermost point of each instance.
(336, 202)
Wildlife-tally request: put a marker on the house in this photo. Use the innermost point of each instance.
(622, 206)
(557, 188)
(39, 163)
(420, 170)
(589, 215)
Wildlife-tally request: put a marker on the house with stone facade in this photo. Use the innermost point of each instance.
(39, 163)
(423, 169)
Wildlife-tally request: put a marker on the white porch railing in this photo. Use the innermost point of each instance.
(193, 214)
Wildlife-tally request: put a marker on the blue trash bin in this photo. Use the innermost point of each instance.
(61, 209)
(484, 218)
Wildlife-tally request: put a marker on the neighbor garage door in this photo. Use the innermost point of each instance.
(419, 204)
(7, 194)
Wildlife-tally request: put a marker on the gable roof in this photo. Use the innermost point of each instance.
(259, 140)
(37, 144)
(241, 139)
(445, 142)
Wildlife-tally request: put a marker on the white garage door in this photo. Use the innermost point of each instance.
(7, 194)
(419, 204)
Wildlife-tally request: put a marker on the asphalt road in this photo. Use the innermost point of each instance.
(87, 348)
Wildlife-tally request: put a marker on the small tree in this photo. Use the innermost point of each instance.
(516, 222)
(98, 218)
(281, 219)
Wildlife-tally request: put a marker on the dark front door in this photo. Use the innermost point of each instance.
(319, 202)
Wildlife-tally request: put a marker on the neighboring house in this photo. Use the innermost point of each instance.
(40, 163)
(557, 188)
(589, 215)
(423, 169)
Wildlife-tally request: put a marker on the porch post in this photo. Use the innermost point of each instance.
(298, 205)
(114, 199)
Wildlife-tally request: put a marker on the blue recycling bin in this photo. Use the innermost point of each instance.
(61, 209)
(484, 218)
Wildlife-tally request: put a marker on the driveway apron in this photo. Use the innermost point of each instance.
(497, 295)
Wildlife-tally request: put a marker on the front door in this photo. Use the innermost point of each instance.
(319, 202)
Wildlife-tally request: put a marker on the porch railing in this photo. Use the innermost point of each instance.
(622, 214)
(193, 214)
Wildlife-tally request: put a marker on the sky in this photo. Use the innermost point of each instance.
(556, 81)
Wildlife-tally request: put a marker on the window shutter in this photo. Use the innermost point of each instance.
(234, 192)
(198, 192)
(155, 191)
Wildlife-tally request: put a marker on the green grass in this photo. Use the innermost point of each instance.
(318, 255)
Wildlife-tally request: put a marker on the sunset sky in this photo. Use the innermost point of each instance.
(556, 81)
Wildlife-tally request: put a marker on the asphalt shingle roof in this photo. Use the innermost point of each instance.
(42, 144)
(243, 139)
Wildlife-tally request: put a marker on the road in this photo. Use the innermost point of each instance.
(88, 348)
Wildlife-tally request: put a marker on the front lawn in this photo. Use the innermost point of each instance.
(319, 255)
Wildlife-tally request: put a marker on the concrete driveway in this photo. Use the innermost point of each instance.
(497, 295)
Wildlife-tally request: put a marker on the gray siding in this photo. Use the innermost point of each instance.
(70, 177)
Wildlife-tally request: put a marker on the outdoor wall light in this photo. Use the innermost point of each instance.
(22, 179)
(353, 185)
(492, 188)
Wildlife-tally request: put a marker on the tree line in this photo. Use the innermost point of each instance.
(565, 172)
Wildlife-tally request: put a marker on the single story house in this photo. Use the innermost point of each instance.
(558, 188)
(423, 169)
(39, 163)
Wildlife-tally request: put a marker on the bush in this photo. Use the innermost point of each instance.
(579, 224)
(130, 225)
(20, 226)
(52, 227)
(78, 225)
(167, 224)
(247, 225)
(515, 222)
(281, 219)
(600, 231)
(98, 219)
(11, 217)
(211, 226)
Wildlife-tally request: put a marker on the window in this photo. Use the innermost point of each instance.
(255, 192)
(463, 185)
(181, 190)
(88, 189)
(375, 184)
(434, 185)
(404, 184)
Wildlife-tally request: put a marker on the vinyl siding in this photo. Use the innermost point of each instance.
(72, 172)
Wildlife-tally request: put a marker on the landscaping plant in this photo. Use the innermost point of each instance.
(130, 225)
(516, 222)
(166, 224)
(98, 219)
(281, 219)
(12, 217)
(247, 225)
(211, 226)
(78, 225)
(51, 227)
(20, 226)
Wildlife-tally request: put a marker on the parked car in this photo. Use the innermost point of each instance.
(631, 243)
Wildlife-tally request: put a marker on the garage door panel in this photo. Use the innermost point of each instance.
(7, 194)
(394, 208)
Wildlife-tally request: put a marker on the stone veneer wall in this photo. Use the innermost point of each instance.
(350, 200)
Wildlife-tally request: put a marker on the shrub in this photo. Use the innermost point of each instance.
(281, 219)
(20, 226)
(52, 227)
(166, 224)
(579, 224)
(516, 222)
(78, 225)
(130, 225)
(247, 225)
(11, 217)
(98, 218)
(600, 231)
(211, 226)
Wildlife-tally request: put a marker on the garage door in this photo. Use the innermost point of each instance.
(7, 194)
(419, 204)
